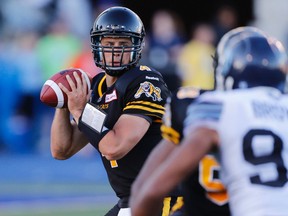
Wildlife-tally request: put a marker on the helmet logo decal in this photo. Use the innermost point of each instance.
(149, 90)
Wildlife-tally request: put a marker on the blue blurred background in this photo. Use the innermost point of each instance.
(41, 37)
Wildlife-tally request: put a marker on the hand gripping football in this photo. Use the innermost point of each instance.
(52, 95)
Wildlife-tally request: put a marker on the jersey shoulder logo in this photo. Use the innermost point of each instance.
(144, 67)
(149, 90)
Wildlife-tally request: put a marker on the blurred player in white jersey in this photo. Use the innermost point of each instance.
(247, 122)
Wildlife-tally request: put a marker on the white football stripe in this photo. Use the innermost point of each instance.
(86, 78)
(58, 92)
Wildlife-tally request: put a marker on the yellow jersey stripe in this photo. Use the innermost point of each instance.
(158, 121)
(170, 138)
(166, 206)
(169, 130)
(143, 108)
(170, 134)
(100, 86)
(147, 103)
(179, 203)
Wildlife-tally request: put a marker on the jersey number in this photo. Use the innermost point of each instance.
(208, 170)
(253, 142)
(113, 163)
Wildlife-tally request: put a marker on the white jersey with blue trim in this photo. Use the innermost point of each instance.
(253, 128)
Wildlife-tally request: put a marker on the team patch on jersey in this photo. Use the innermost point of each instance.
(149, 90)
(111, 97)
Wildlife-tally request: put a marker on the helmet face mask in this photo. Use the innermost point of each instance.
(249, 58)
(117, 22)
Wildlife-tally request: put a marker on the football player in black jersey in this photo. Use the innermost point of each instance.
(121, 116)
(204, 194)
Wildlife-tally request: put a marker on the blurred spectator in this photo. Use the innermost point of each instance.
(57, 48)
(28, 113)
(77, 15)
(20, 76)
(19, 16)
(10, 92)
(84, 60)
(31, 76)
(226, 18)
(21, 81)
(195, 59)
(163, 43)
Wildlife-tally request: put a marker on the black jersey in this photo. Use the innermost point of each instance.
(204, 194)
(140, 91)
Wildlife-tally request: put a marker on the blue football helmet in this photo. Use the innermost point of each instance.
(247, 57)
(117, 22)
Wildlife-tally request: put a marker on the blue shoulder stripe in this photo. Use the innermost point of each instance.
(203, 111)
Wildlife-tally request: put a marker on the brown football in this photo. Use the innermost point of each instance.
(52, 95)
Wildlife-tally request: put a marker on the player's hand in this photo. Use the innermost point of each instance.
(78, 96)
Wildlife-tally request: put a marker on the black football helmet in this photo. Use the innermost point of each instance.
(250, 58)
(117, 22)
